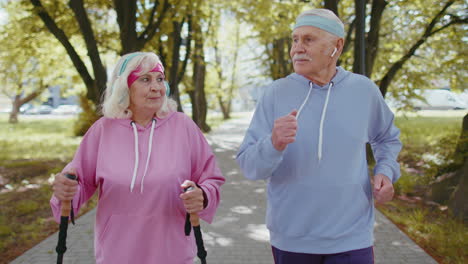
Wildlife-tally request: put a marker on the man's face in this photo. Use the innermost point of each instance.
(311, 50)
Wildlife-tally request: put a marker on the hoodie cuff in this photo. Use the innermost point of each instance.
(268, 151)
(385, 170)
(205, 197)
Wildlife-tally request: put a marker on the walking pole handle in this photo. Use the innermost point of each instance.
(194, 219)
(66, 207)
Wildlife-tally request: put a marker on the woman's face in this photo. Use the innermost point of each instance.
(147, 93)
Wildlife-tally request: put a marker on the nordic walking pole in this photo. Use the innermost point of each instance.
(194, 220)
(65, 212)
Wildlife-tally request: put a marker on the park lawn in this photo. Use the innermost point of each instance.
(428, 143)
(31, 152)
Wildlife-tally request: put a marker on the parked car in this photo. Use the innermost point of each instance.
(66, 110)
(439, 99)
(39, 110)
(22, 109)
(464, 96)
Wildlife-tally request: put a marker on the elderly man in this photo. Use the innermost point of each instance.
(308, 138)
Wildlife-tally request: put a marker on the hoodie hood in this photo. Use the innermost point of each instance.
(127, 122)
(340, 75)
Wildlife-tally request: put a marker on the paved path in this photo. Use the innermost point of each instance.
(238, 235)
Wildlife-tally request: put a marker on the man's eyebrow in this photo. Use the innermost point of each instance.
(304, 35)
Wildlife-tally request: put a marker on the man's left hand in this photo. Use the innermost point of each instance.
(383, 189)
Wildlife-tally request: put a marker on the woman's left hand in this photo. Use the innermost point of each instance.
(192, 199)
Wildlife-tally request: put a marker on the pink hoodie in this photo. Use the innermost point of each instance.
(143, 225)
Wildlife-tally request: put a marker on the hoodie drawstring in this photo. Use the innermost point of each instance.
(322, 119)
(305, 101)
(150, 146)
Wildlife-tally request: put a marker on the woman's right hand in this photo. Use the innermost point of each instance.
(64, 188)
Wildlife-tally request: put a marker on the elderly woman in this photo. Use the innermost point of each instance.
(140, 157)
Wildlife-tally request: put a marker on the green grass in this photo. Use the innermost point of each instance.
(37, 139)
(428, 145)
(439, 233)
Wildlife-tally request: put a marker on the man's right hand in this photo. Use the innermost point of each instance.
(284, 131)
(64, 188)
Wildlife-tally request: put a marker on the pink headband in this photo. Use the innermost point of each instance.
(133, 75)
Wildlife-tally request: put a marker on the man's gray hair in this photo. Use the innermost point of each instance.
(323, 13)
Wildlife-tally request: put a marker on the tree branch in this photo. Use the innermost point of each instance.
(81, 16)
(372, 43)
(60, 35)
(150, 30)
(126, 18)
(387, 79)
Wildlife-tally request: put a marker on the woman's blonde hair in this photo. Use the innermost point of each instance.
(117, 96)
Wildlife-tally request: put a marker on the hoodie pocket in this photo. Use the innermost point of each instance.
(143, 239)
(330, 211)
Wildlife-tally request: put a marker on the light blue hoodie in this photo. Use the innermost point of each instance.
(321, 205)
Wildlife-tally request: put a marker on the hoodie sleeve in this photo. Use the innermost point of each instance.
(205, 171)
(384, 139)
(84, 163)
(257, 157)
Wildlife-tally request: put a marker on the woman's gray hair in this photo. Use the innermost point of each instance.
(117, 96)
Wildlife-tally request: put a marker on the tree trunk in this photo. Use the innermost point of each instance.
(199, 104)
(458, 202)
(372, 41)
(18, 101)
(359, 39)
(224, 108)
(332, 5)
(459, 199)
(177, 71)
(280, 66)
(15, 106)
(450, 188)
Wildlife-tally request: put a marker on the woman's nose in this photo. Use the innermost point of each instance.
(156, 86)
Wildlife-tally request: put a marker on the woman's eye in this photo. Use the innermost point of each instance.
(145, 79)
(160, 79)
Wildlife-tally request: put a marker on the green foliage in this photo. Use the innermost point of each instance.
(30, 61)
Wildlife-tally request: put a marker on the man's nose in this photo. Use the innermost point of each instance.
(298, 47)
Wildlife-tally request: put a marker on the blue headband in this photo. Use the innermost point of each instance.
(324, 23)
(124, 64)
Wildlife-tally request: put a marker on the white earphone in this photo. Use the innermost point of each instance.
(334, 51)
